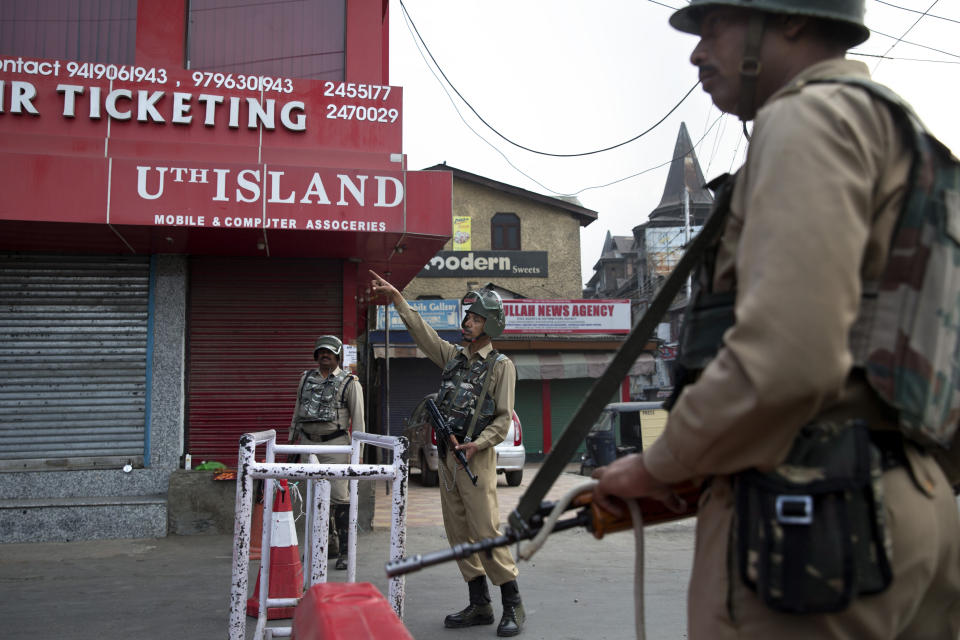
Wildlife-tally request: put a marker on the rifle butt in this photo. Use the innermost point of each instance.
(653, 511)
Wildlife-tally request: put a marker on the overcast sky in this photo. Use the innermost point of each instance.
(572, 76)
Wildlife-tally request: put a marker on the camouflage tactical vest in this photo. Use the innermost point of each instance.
(322, 400)
(461, 384)
(907, 333)
(907, 330)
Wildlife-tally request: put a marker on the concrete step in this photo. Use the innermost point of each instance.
(82, 518)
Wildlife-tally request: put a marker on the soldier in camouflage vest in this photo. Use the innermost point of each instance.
(329, 402)
(813, 403)
(476, 396)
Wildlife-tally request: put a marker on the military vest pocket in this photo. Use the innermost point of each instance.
(811, 534)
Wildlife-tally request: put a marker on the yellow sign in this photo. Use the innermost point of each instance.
(461, 233)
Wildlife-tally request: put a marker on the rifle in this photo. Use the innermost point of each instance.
(445, 436)
(588, 515)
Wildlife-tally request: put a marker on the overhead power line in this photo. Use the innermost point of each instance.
(506, 159)
(910, 28)
(436, 64)
(896, 6)
(915, 44)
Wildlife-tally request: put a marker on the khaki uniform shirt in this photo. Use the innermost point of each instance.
(811, 217)
(503, 376)
(351, 414)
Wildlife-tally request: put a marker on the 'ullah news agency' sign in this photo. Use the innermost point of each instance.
(567, 316)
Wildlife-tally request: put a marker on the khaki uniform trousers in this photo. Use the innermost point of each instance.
(339, 489)
(921, 603)
(472, 512)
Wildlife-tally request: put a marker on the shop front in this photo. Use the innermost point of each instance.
(172, 241)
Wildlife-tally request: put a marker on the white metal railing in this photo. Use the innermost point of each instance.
(317, 507)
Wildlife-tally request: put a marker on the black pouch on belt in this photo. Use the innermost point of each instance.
(811, 534)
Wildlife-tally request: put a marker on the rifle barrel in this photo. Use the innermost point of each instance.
(410, 564)
(457, 552)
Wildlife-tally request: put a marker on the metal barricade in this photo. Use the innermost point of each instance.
(317, 508)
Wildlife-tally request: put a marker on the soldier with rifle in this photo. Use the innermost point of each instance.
(821, 514)
(476, 400)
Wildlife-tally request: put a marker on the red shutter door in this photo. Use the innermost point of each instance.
(252, 324)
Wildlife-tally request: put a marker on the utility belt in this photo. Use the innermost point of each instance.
(327, 436)
(811, 535)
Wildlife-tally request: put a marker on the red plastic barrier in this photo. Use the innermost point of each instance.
(346, 611)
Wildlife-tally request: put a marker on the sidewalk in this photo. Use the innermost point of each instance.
(179, 587)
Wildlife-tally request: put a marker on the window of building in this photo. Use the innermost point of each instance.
(505, 231)
(82, 30)
(300, 39)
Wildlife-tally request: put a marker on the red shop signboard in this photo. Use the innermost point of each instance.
(83, 142)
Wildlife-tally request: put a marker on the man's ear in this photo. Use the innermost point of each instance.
(793, 26)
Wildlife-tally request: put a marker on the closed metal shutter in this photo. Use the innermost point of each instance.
(566, 396)
(73, 360)
(529, 407)
(252, 324)
(410, 380)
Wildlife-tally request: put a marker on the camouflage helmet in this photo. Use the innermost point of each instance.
(488, 305)
(331, 343)
(848, 13)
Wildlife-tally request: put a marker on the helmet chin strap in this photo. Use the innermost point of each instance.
(750, 67)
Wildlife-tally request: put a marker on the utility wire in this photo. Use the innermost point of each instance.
(896, 6)
(521, 171)
(528, 176)
(877, 55)
(915, 44)
(915, 23)
(517, 144)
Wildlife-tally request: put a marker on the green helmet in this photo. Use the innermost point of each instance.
(332, 343)
(847, 12)
(488, 305)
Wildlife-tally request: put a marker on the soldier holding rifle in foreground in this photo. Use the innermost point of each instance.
(823, 514)
(476, 398)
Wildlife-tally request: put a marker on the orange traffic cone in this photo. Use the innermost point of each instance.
(286, 571)
(256, 531)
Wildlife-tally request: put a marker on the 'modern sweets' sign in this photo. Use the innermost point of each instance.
(500, 264)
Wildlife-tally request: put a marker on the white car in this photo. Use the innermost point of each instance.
(422, 453)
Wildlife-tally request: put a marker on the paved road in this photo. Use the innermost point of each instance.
(178, 587)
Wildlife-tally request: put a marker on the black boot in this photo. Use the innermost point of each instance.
(478, 611)
(341, 517)
(513, 614)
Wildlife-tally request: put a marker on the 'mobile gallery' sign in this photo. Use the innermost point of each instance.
(567, 316)
(502, 264)
(442, 315)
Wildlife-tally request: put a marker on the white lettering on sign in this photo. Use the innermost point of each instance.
(265, 109)
(170, 219)
(249, 222)
(21, 97)
(148, 106)
(31, 67)
(470, 263)
(151, 182)
(562, 316)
